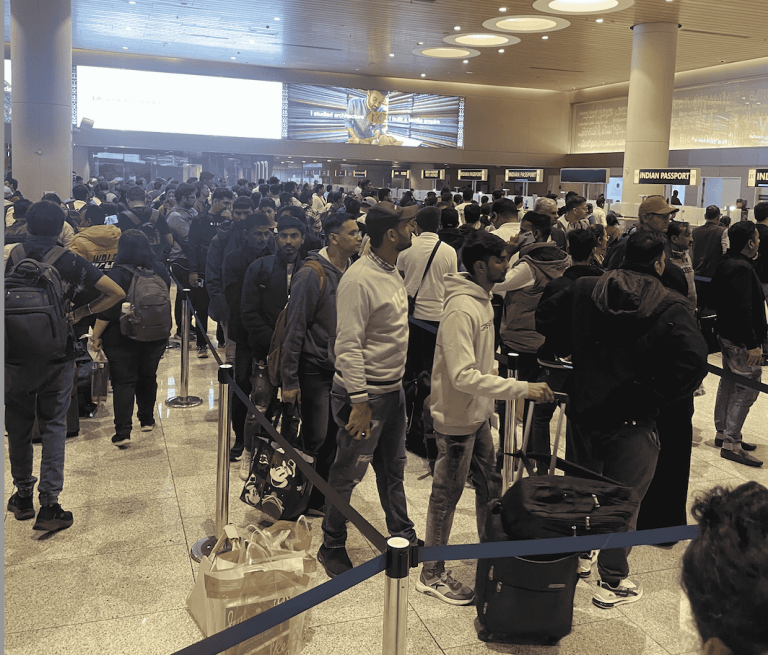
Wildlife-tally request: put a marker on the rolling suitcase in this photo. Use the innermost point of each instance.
(530, 599)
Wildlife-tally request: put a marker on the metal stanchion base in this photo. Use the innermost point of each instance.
(204, 547)
(179, 402)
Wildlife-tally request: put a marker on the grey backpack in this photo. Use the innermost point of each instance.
(150, 315)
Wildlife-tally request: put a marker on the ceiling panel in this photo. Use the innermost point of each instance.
(349, 36)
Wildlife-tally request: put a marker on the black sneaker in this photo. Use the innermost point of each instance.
(202, 352)
(122, 440)
(335, 561)
(52, 517)
(235, 453)
(22, 508)
(749, 447)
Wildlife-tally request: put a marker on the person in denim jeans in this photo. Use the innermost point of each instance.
(367, 396)
(464, 387)
(738, 296)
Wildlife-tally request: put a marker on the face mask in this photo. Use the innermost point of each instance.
(525, 238)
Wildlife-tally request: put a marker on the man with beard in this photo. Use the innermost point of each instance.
(464, 387)
(367, 397)
(366, 120)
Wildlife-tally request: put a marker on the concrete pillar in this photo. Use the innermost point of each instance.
(41, 96)
(649, 110)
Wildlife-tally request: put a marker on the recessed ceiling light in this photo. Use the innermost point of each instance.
(581, 7)
(231, 57)
(457, 28)
(598, 20)
(251, 41)
(466, 61)
(423, 74)
(127, 29)
(131, 2)
(502, 9)
(420, 43)
(276, 18)
(544, 38)
(481, 40)
(501, 49)
(391, 54)
(526, 24)
(446, 53)
(125, 47)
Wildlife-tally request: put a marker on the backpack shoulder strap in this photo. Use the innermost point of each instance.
(18, 252)
(132, 216)
(53, 255)
(155, 216)
(317, 267)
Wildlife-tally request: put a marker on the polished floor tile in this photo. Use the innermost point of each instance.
(117, 580)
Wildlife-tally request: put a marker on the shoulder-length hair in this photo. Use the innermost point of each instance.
(133, 249)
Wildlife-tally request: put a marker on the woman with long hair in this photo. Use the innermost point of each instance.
(133, 364)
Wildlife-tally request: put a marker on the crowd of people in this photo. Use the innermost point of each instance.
(384, 297)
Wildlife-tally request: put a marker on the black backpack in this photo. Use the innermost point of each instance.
(36, 325)
(149, 228)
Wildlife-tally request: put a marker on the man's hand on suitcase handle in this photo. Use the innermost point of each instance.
(539, 392)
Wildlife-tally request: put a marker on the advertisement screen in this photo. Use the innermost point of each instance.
(333, 114)
(120, 99)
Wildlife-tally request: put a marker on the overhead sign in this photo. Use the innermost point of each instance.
(433, 174)
(473, 174)
(758, 177)
(584, 175)
(403, 172)
(524, 175)
(360, 174)
(676, 176)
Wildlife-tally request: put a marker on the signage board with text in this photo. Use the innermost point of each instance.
(473, 175)
(524, 175)
(433, 174)
(675, 176)
(758, 177)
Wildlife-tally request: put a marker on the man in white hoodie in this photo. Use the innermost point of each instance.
(464, 387)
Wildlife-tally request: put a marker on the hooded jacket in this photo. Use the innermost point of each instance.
(464, 385)
(202, 231)
(310, 325)
(98, 245)
(518, 327)
(634, 345)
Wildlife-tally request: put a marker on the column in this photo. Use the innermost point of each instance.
(649, 111)
(41, 97)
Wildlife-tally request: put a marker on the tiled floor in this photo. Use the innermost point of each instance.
(117, 580)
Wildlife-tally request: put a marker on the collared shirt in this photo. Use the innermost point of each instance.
(380, 262)
(412, 263)
(365, 122)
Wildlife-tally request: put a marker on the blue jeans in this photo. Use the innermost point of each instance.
(456, 457)
(627, 454)
(734, 400)
(384, 449)
(42, 389)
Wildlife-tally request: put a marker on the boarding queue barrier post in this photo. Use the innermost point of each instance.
(396, 597)
(510, 427)
(203, 546)
(184, 399)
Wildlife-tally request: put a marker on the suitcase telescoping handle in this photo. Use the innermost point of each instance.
(562, 400)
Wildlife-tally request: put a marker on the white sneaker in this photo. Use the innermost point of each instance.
(585, 563)
(606, 597)
(245, 465)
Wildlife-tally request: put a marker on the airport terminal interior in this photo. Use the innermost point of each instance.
(614, 98)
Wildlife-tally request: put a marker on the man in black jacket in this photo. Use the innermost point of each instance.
(741, 327)
(258, 237)
(202, 231)
(634, 346)
(707, 250)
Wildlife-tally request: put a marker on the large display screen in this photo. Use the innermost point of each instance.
(387, 118)
(120, 99)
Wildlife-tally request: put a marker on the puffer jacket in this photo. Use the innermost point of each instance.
(98, 245)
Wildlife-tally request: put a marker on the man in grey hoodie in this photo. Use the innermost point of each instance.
(464, 387)
(310, 332)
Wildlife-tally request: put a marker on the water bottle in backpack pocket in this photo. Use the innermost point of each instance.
(146, 313)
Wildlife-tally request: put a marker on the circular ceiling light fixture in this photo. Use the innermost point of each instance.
(526, 24)
(446, 53)
(481, 40)
(581, 7)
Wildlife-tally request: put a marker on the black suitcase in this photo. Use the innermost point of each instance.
(530, 599)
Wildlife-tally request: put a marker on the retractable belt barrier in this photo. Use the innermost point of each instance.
(295, 606)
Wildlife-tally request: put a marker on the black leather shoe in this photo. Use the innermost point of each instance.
(749, 447)
(740, 457)
(335, 561)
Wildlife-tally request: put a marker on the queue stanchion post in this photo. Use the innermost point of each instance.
(203, 546)
(396, 596)
(184, 399)
(510, 428)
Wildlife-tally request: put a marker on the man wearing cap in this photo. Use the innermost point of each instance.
(367, 397)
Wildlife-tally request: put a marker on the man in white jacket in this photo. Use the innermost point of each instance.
(464, 387)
